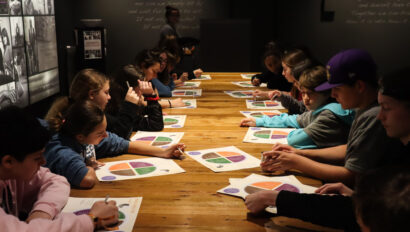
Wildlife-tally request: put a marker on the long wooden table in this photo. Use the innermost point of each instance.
(189, 201)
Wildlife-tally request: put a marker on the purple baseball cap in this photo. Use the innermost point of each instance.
(348, 66)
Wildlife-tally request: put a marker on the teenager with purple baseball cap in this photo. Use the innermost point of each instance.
(354, 82)
(348, 66)
(380, 203)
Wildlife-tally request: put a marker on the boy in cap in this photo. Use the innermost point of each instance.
(381, 197)
(353, 80)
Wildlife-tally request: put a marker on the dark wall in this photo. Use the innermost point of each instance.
(262, 14)
(380, 27)
(133, 25)
(230, 49)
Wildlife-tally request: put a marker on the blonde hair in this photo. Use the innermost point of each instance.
(86, 81)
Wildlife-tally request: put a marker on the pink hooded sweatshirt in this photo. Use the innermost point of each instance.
(45, 192)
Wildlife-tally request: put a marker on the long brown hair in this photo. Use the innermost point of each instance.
(297, 60)
(86, 81)
(119, 88)
(82, 118)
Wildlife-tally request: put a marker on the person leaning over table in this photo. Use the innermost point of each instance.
(31, 197)
(381, 204)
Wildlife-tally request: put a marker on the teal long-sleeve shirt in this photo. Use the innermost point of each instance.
(326, 126)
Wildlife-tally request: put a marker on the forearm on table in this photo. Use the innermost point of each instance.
(327, 172)
(137, 147)
(334, 155)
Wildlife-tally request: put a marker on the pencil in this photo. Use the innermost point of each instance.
(262, 157)
(183, 153)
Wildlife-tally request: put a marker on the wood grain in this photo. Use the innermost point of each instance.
(189, 201)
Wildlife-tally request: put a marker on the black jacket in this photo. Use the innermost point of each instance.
(131, 117)
(274, 81)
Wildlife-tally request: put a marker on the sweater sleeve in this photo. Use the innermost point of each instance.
(151, 119)
(111, 146)
(300, 140)
(163, 90)
(65, 222)
(68, 163)
(53, 194)
(122, 123)
(279, 121)
(293, 105)
(327, 130)
(328, 210)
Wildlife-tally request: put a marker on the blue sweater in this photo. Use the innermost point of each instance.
(65, 156)
(324, 127)
(164, 90)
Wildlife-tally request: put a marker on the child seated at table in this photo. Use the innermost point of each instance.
(124, 115)
(82, 138)
(353, 80)
(326, 124)
(165, 83)
(129, 116)
(147, 64)
(381, 197)
(294, 62)
(272, 61)
(31, 197)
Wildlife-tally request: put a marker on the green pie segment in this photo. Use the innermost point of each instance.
(132, 168)
(145, 170)
(170, 121)
(219, 161)
(160, 141)
(121, 215)
(223, 157)
(262, 104)
(264, 134)
(257, 115)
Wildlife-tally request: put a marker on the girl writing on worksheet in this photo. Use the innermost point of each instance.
(82, 138)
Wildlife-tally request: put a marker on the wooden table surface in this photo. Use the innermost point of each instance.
(189, 201)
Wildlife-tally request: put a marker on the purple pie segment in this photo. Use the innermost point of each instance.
(231, 190)
(108, 178)
(288, 187)
(140, 164)
(236, 158)
(194, 153)
(148, 138)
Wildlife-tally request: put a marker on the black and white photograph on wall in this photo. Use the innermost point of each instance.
(6, 56)
(15, 7)
(49, 7)
(92, 45)
(15, 91)
(31, 45)
(37, 7)
(16, 24)
(28, 7)
(43, 85)
(4, 7)
(46, 42)
(19, 63)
